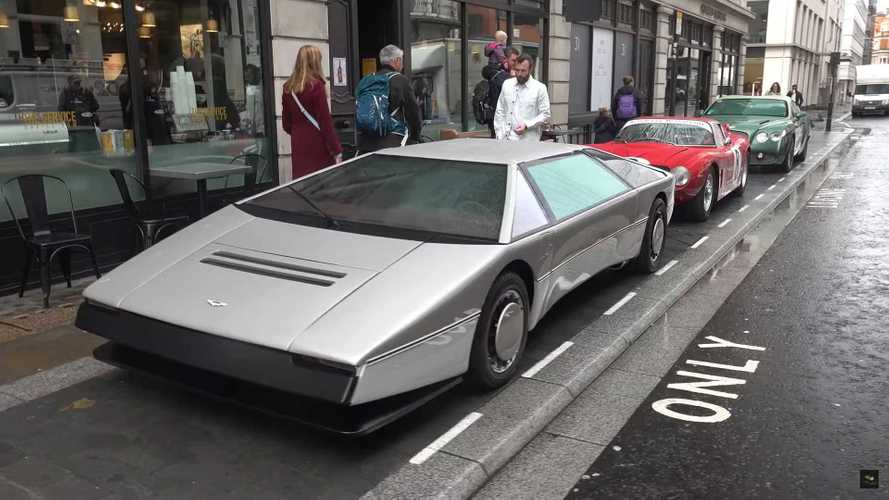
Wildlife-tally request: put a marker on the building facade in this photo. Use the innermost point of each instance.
(869, 31)
(880, 43)
(790, 43)
(682, 54)
(852, 43)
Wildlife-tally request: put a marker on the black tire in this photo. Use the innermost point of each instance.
(739, 191)
(483, 373)
(788, 163)
(649, 257)
(804, 152)
(699, 208)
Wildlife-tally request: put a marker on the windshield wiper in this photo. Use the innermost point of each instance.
(649, 139)
(330, 220)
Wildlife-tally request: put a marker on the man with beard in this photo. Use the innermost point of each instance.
(523, 105)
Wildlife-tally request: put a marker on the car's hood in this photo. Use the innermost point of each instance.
(748, 124)
(262, 281)
(657, 153)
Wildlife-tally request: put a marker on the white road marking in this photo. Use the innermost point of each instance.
(758, 197)
(782, 179)
(620, 303)
(700, 242)
(547, 360)
(445, 438)
(724, 223)
(745, 207)
(771, 187)
(827, 198)
(842, 175)
(661, 271)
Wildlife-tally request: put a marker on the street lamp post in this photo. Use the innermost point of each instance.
(834, 63)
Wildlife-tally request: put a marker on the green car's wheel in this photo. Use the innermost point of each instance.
(787, 166)
(804, 152)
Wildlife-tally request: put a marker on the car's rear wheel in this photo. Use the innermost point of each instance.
(501, 333)
(700, 207)
(787, 166)
(739, 191)
(653, 242)
(804, 152)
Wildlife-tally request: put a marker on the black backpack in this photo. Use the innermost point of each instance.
(482, 107)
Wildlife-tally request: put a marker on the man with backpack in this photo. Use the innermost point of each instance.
(627, 103)
(487, 91)
(387, 114)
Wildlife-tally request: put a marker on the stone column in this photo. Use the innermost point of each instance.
(739, 86)
(716, 61)
(661, 49)
(558, 63)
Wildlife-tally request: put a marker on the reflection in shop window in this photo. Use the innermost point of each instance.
(202, 85)
(527, 36)
(436, 66)
(482, 24)
(61, 69)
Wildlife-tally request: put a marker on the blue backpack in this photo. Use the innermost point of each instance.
(372, 114)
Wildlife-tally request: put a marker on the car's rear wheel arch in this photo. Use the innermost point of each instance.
(524, 271)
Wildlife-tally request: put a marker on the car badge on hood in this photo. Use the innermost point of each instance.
(216, 303)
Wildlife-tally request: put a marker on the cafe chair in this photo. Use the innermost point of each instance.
(42, 243)
(255, 177)
(150, 218)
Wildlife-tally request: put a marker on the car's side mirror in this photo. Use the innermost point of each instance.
(801, 115)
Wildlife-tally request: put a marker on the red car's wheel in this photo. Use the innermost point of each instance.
(699, 208)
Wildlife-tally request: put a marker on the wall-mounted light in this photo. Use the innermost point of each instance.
(114, 5)
(144, 32)
(139, 8)
(212, 25)
(4, 20)
(148, 19)
(70, 14)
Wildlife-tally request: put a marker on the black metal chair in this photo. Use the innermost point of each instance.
(149, 217)
(43, 243)
(256, 176)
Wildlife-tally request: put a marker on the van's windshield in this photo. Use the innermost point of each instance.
(874, 88)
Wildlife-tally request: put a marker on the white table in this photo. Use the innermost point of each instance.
(200, 172)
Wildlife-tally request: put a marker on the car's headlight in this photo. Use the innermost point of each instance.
(761, 137)
(681, 175)
(777, 136)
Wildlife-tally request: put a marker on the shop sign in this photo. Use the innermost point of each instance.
(710, 11)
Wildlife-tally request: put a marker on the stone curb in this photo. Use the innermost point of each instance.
(516, 415)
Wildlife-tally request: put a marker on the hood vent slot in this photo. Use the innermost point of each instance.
(272, 268)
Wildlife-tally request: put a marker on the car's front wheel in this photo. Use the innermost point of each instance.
(700, 206)
(501, 333)
(653, 242)
(787, 166)
(742, 186)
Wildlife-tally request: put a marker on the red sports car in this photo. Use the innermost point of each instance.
(708, 160)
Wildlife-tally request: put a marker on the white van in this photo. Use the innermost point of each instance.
(871, 90)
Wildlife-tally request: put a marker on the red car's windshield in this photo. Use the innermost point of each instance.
(680, 133)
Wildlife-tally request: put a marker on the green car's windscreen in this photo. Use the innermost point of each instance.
(413, 194)
(753, 107)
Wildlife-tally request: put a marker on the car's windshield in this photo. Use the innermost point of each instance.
(412, 195)
(678, 132)
(754, 107)
(874, 88)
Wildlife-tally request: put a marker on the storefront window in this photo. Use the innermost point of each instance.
(436, 65)
(482, 23)
(203, 105)
(527, 36)
(61, 70)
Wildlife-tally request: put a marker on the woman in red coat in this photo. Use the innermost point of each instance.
(313, 142)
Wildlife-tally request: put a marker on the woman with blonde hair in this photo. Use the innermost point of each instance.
(313, 141)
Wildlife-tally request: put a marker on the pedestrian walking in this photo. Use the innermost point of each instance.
(795, 95)
(306, 116)
(523, 105)
(496, 51)
(495, 83)
(604, 127)
(627, 103)
(387, 114)
(775, 89)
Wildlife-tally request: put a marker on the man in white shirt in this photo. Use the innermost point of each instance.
(523, 105)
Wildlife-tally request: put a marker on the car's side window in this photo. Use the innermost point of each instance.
(529, 215)
(574, 183)
(717, 134)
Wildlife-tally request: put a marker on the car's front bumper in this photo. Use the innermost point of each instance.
(870, 109)
(264, 379)
(768, 153)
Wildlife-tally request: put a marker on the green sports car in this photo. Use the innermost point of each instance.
(777, 128)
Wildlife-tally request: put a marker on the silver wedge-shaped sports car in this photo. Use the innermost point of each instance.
(384, 276)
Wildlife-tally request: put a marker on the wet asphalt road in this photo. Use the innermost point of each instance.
(144, 438)
(812, 409)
